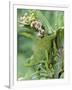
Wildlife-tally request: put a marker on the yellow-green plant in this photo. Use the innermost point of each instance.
(40, 44)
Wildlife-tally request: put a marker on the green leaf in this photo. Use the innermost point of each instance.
(27, 35)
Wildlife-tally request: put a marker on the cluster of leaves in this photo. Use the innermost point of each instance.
(40, 58)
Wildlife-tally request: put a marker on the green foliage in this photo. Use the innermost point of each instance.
(40, 57)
